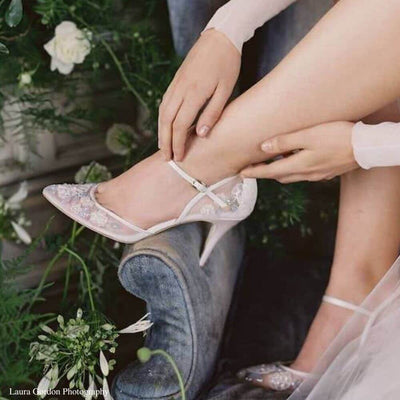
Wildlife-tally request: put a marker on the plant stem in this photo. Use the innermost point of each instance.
(68, 271)
(50, 267)
(116, 62)
(176, 370)
(122, 73)
(87, 275)
(93, 246)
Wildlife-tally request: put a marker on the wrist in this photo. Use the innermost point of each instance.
(220, 37)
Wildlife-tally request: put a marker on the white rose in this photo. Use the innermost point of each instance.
(69, 46)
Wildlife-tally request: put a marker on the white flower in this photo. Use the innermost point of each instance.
(103, 364)
(106, 390)
(44, 384)
(140, 326)
(22, 234)
(121, 138)
(24, 79)
(69, 46)
(90, 391)
(92, 173)
(14, 202)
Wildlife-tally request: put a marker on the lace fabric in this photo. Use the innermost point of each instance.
(362, 362)
(76, 200)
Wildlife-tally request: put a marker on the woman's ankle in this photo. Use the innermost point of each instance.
(354, 283)
(208, 164)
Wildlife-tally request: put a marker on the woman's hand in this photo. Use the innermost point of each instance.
(320, 153)
(208, 74)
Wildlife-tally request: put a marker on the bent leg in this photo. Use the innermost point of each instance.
(367, 243)
(344, 69)
(335, 73)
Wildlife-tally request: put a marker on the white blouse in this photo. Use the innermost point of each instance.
(373, 145)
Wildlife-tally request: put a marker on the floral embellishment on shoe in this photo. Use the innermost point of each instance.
(99, 218)
(283, 380)
(208, 209)
(276, 376)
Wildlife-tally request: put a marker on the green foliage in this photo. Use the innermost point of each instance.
(278, 207)
(12, 217)
(18, 324)
(14, 13)
(125, 44)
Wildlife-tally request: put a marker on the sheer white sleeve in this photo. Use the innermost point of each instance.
(376, 145)
(238, 19)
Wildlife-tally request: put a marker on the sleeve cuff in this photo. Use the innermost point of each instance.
(376, 145)
(222, 23)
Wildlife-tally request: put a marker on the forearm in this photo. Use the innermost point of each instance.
(344, 69)
(238, 19)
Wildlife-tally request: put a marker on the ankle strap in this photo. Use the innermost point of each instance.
(345, 304)
(201, 187)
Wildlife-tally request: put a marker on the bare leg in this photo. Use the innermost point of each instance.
(367, 243)
(335, 73)
(325, 78)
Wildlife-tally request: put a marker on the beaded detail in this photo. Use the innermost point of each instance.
(283, 380)
(233, 201)
(77, 200)
(278, 377)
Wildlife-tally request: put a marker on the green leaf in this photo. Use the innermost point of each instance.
(3, 49)
(14, 13)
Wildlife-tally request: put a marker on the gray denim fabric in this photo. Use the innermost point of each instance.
(188, 305)
(188, 18)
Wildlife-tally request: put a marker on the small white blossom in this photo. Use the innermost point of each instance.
(106, 390)
(18, 197)
(121, 138)
(140, 326)
(91, 389)
(24, 79)
(44, 384)
(92, 173)
(22, 234)
(69, 46)
(103, 364)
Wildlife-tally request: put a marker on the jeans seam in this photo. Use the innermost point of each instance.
(172, 265)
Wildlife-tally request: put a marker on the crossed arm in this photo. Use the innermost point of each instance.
(364, 71)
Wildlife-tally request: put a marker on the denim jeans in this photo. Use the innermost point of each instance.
(188, 306)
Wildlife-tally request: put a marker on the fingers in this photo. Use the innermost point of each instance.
(167, 113)
(285, 143)
(213, 111)
(180, 127)
(277, 170)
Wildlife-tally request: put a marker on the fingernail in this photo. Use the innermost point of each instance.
(266, 146)
(203, 130)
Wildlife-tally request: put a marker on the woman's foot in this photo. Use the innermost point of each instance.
(151, 192)
(353, 287)
(148, 193)
(327, 323)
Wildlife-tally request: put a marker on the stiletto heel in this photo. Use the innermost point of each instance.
(216, 232)
(223, 204)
